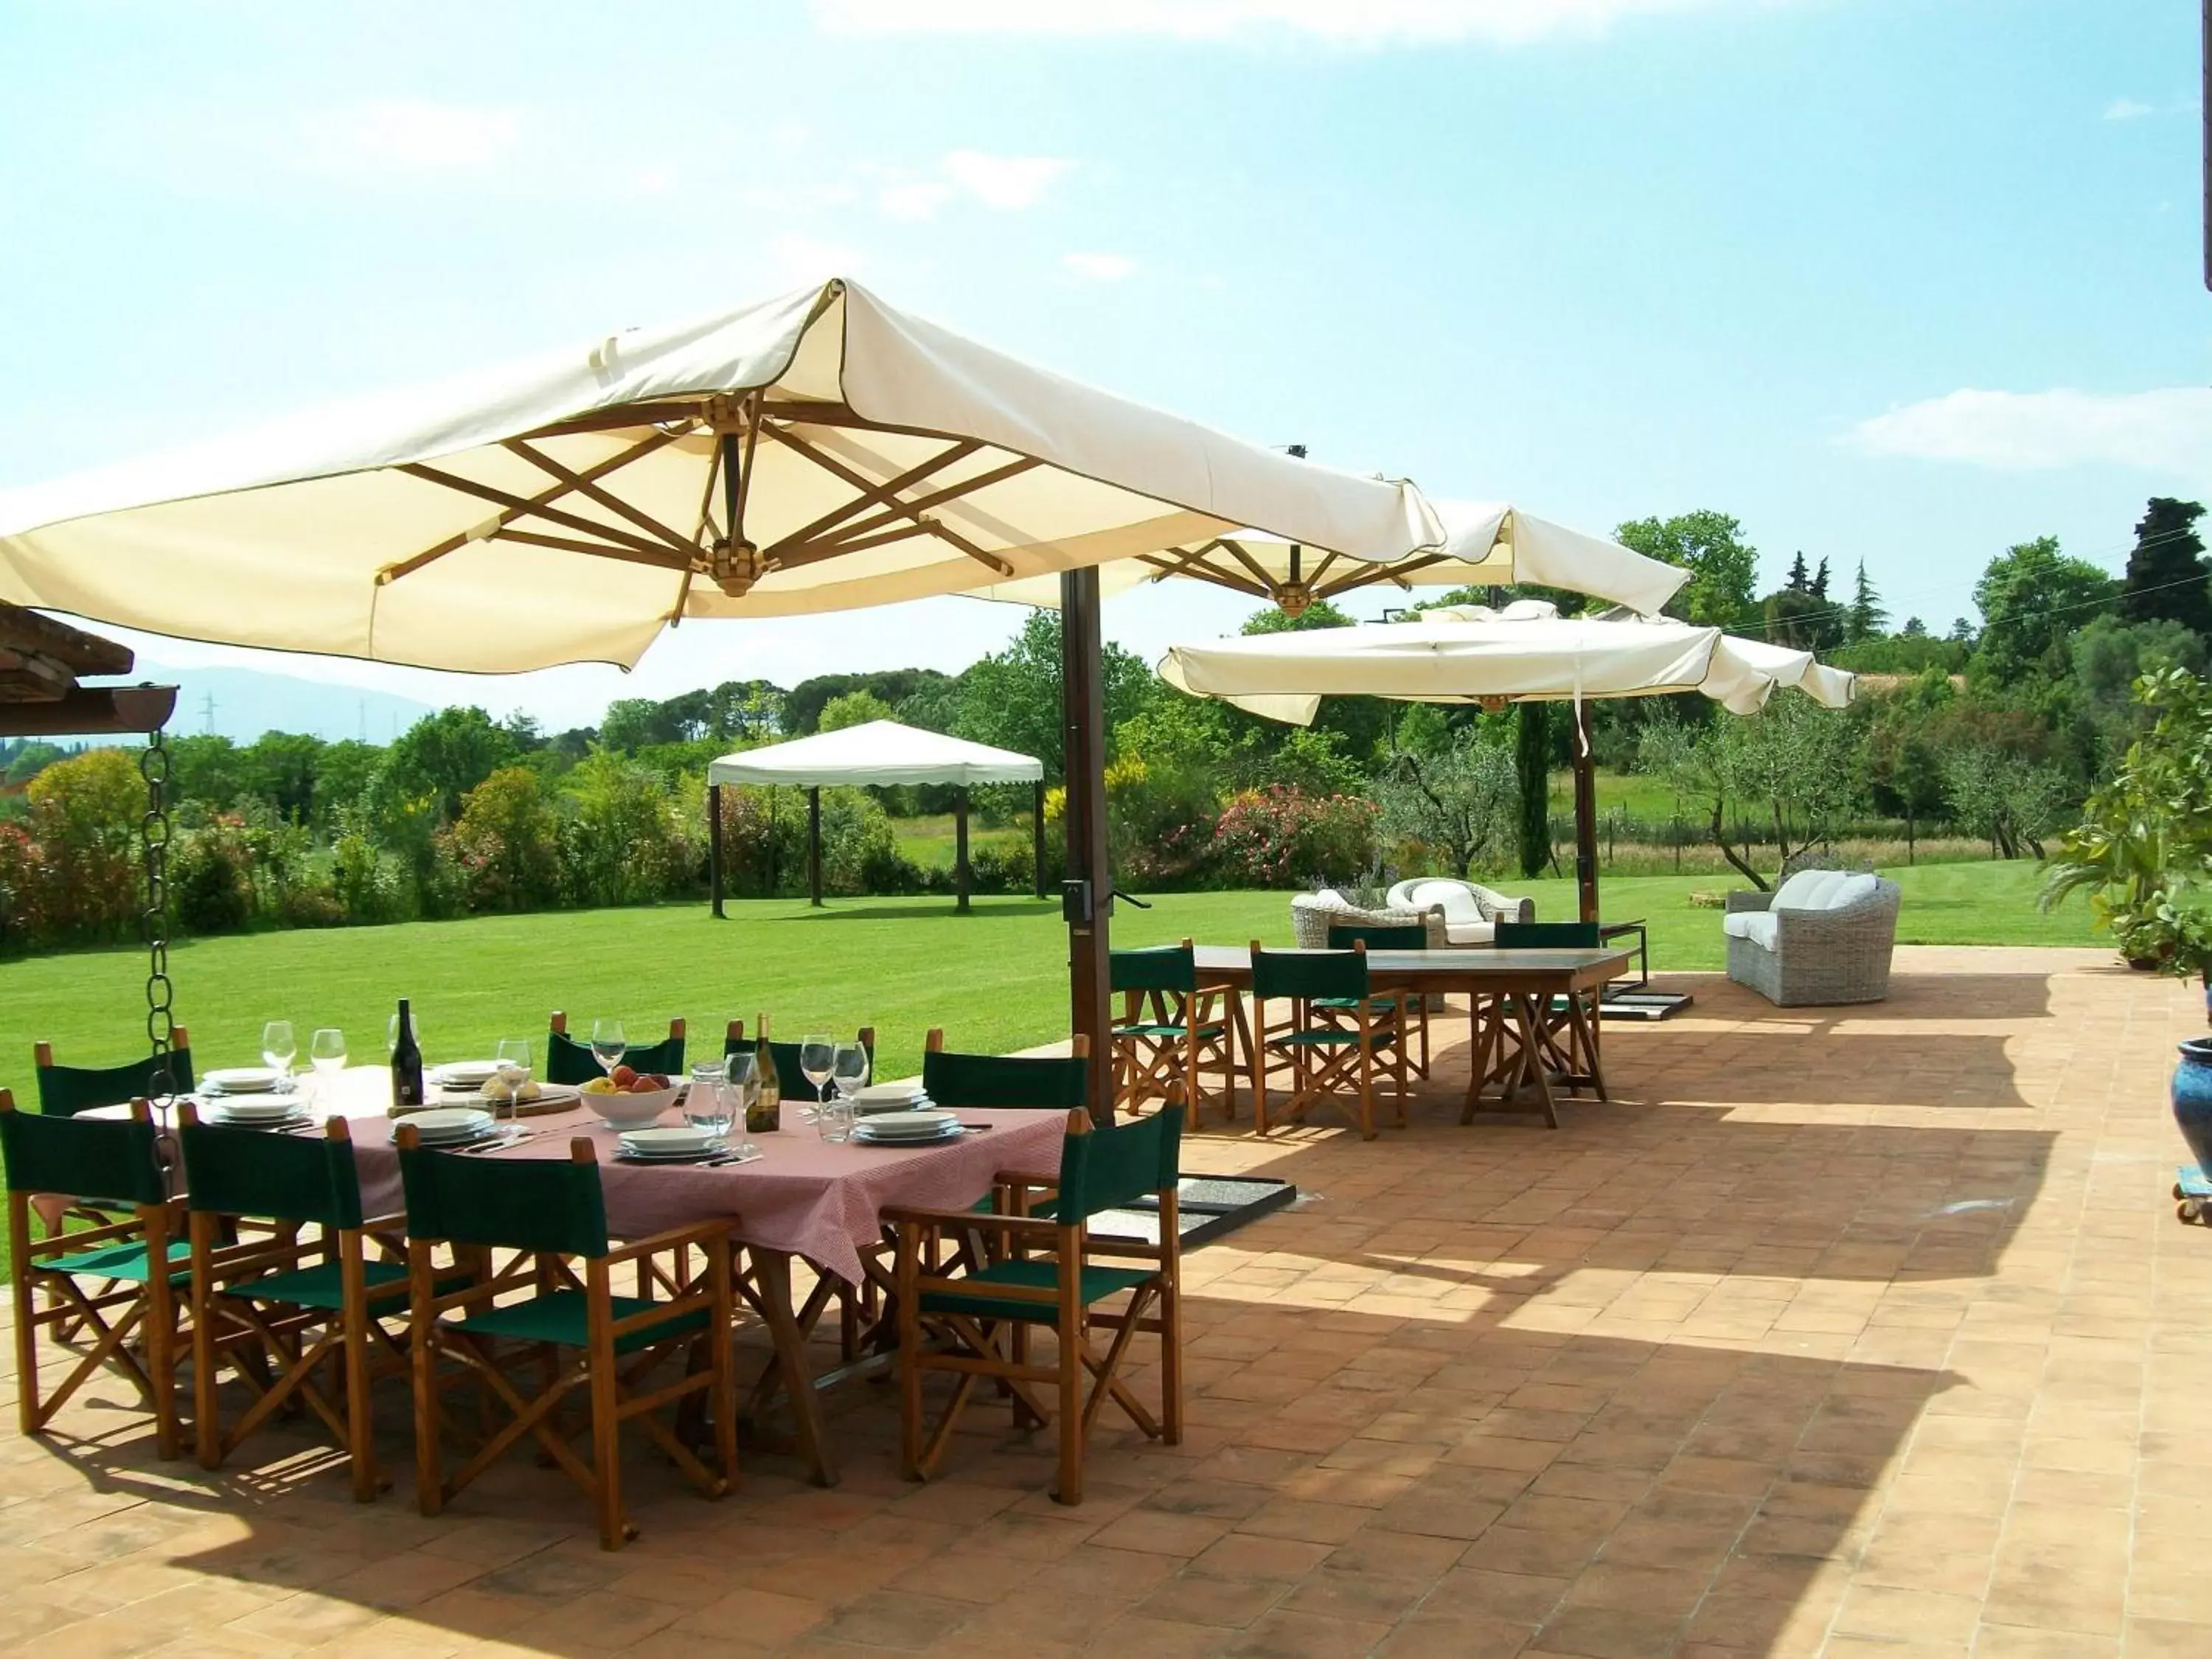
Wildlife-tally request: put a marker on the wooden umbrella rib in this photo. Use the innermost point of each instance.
(1198, 569)
(1259, 571)
(659, 558)
(528, 507)
(862, 533)
(815, 552)
(810, 534)
(626, 415)
(612, 502)
(407, 567)
(877, 494)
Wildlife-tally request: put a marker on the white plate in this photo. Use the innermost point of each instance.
(864, 1131)
(899, 1123)
(242, 1079)
(681, 1138)
(229, 1117)
(444, 1123)
(877, 1093)
(467, 1074)
(254, 1105)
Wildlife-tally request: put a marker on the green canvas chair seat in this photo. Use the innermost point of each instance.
(1330, 1036)
(1094, 1284)
(323, 1285)
(128, 1263)
(564, 1318)
(978, 1325)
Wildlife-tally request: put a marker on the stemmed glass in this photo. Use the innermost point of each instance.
(279, 1048)
(707, 1102)
(848, 1069)
(392, 1035)
(326, 1049)
(513, 1058)
(609, 1045)
(741, 1083)
(815, 1055)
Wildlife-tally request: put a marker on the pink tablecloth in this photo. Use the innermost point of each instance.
(803, 1194)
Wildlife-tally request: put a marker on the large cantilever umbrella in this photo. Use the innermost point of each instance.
(1486, 544)
(818, 451)
(1527, 652)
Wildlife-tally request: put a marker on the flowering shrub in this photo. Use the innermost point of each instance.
(1277, 837)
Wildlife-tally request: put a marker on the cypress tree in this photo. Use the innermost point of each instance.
(2165, 578)
(1867, 616)
(1532, 758)
(1798, 582)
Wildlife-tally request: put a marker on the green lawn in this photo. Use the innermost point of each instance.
(994, 979)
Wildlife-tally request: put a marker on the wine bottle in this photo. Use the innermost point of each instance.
(766, 1111)
(406, 1064)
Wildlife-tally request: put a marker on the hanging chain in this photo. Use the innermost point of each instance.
(154, 839)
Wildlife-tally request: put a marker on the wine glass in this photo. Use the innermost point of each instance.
(848, 1069)
(741, 1080)
(326, 1049)
(279, 1047)
(816, 1054)
(609, 1045)
(511, 1057)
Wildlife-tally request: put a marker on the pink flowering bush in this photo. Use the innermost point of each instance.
(1277, 836)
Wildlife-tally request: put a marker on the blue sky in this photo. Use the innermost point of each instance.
(1886, 278)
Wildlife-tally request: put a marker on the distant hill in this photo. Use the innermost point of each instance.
(247, 702)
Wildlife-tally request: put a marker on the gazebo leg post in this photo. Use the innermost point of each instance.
(960, 874)
(715, 848)
(1089, 890)
(1585, 817)
(1036, 836)
(814, 846)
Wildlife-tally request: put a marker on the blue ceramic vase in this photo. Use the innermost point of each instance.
(2192, 1099)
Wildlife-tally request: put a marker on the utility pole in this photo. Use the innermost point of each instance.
(207, 713)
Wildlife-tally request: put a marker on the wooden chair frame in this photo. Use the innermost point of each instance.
(611, 1379)
(1324, 1070)
(284, 1343)
(1406, 1009)
(147, 1309)
(1166, 1043)
(974, 1348)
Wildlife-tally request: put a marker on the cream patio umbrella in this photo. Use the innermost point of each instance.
(813, 453)
(1525, 652)
(1487, 543)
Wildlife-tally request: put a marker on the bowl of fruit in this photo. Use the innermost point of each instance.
(629, 1098)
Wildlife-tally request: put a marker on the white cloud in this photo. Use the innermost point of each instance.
(406, 136)
(800, 259)
(2166, 430)
(2127, 109)
(1343, 22)
(1099, 267)
(1004, 182)
(916, 198)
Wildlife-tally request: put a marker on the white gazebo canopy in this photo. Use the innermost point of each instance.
(1526, 652)
(876, 752)
(879, 752)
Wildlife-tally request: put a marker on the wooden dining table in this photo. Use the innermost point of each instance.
(1532, 1013)
(803, 1199)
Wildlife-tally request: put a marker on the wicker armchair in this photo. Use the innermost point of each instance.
(1797, 951)
(1470, 911)
(1312, 915)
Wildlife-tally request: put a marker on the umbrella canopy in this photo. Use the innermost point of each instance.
(817, 451)
(1486, 543)
(1526, 653)
(879, 752)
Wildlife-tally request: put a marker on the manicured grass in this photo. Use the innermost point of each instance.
(929, 839)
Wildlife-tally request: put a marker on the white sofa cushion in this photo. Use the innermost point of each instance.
(1470, 932)
(1328, 899)
(1459, 903)
(1805, 890)
(1759, 927)
(1850, 889)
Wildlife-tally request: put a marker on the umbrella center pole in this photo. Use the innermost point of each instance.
(1086, 897)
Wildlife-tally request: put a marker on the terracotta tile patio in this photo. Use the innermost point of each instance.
(1845, 1332)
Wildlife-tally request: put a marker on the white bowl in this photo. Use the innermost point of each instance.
(627, 1110)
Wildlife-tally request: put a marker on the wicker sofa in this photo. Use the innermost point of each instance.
(1824, 937)
(1471, 911)
(1312, 915)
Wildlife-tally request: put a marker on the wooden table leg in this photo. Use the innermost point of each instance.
(772, 1270)
(1533, 1069)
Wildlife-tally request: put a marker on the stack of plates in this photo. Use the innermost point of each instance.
(910, 1128)
(681, 1144)
(257, 1111)
(452, 1126)
(889, 1097)
(467, 1076)
(244, 1080)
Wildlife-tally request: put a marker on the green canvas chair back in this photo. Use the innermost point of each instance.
(1170, 968)
(93, 1158)
(571, 1062)
(1112, 1167)
(1546, 935)
(788, 1077)
(1309, 974)
(65, 1090)
(277, 1177)
(517, 1205)
(964, 1081)
(1343, 935)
